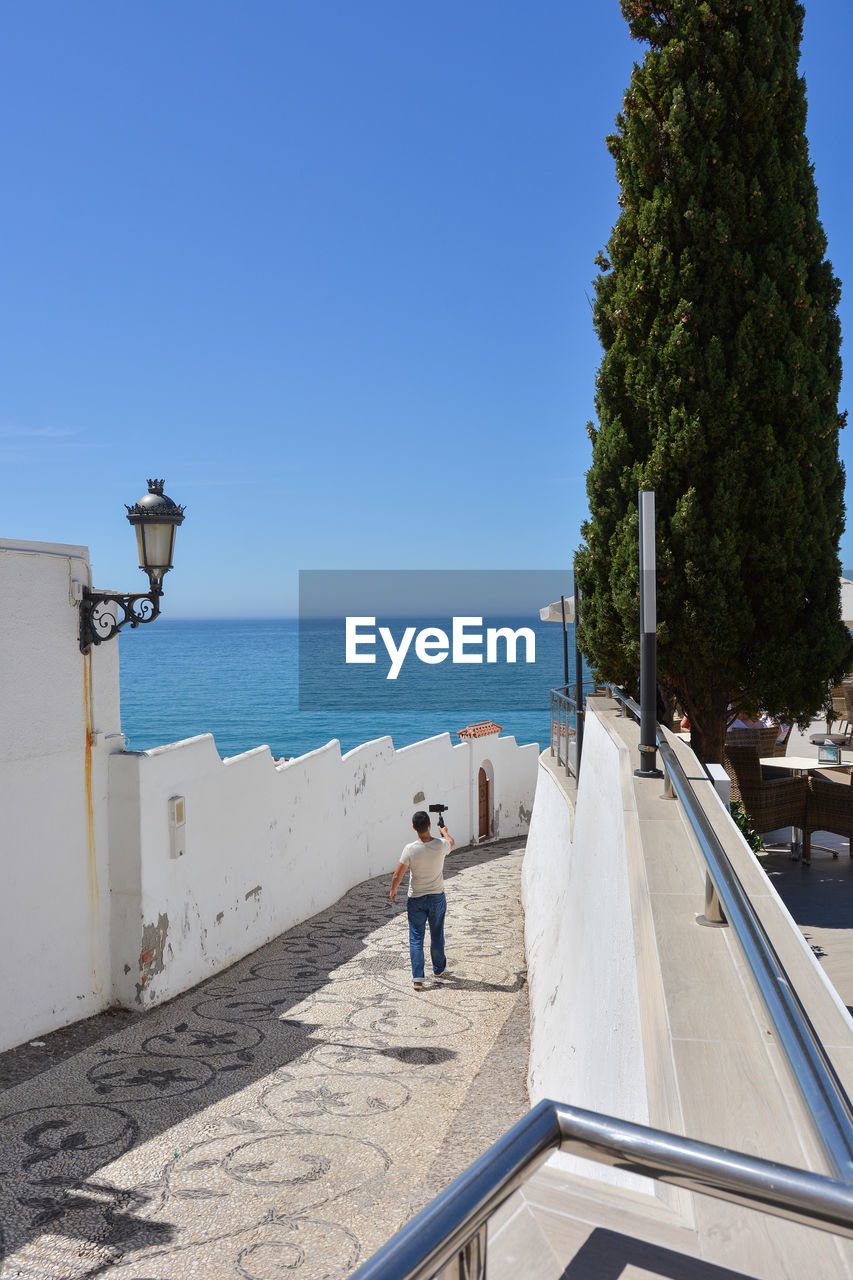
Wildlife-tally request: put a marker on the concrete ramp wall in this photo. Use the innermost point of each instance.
(586, 1034)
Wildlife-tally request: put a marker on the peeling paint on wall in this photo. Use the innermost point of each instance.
(152, 952)
(220, 916)
(254, 893)
(524, 815)
(418, 797)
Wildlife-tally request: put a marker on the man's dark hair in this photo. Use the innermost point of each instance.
(421, 822)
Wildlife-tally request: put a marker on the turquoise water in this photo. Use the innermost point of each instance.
(238, 679)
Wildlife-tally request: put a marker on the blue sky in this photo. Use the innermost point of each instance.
(324, 267)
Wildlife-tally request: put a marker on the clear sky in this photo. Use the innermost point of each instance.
(324, 265)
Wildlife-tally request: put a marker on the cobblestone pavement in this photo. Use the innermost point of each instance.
(284, 1118)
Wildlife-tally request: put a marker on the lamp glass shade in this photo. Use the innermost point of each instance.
(156, 543)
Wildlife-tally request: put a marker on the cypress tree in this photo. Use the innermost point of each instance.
(717, 312)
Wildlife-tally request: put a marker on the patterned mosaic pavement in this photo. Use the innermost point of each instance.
(286, 1117)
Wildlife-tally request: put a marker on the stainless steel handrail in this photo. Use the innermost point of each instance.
(823, 1093)
(443, 1229)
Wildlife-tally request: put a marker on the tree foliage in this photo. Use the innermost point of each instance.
(717, 312)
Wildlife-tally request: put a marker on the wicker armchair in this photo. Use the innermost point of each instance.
(764, 738)
(770, 802)
(829, 807)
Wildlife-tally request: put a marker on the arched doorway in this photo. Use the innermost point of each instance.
(484, 804)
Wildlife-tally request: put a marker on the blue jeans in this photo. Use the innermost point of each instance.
(430, 910)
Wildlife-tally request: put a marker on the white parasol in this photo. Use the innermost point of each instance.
(554, 613)
(562, 610)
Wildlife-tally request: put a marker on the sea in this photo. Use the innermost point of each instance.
(239, 679)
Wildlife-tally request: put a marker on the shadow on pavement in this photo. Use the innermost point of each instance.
(234, 1031)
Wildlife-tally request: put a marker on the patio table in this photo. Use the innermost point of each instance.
(800, 766)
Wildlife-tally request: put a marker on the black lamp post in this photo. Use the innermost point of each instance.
(103, 613)
(648, 639)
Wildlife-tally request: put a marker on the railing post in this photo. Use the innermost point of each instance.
(579, 729)
(713, 916)
(469, 1263)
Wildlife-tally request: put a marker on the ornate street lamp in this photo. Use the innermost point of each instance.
(103, 613)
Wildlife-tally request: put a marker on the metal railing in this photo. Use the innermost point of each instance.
(567, 724)
(448, 1238)
(823, 1093)
(564, 719)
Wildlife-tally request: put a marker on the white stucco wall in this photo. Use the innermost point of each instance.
(59, 721)
(266, 847)
(586, 1034)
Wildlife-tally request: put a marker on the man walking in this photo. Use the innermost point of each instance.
(426, 903)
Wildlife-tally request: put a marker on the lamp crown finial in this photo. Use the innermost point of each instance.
(156, 486)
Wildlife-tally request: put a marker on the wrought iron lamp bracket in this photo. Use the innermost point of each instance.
(120, 610)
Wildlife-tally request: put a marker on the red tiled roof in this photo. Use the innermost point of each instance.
(479, 730)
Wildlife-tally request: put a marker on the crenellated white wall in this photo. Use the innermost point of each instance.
(268, 846)
(95, 910)
(59, 722)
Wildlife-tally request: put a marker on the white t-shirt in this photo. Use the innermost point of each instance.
(426, 862)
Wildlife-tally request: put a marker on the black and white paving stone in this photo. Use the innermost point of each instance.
(284, 1118)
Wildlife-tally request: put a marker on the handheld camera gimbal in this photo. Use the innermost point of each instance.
(440, 809)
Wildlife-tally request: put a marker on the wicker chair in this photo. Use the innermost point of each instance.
(764, 738)
(770, 802)
(759, 737)
(829, 807)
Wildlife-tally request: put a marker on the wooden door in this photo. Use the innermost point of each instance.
(483, 785)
